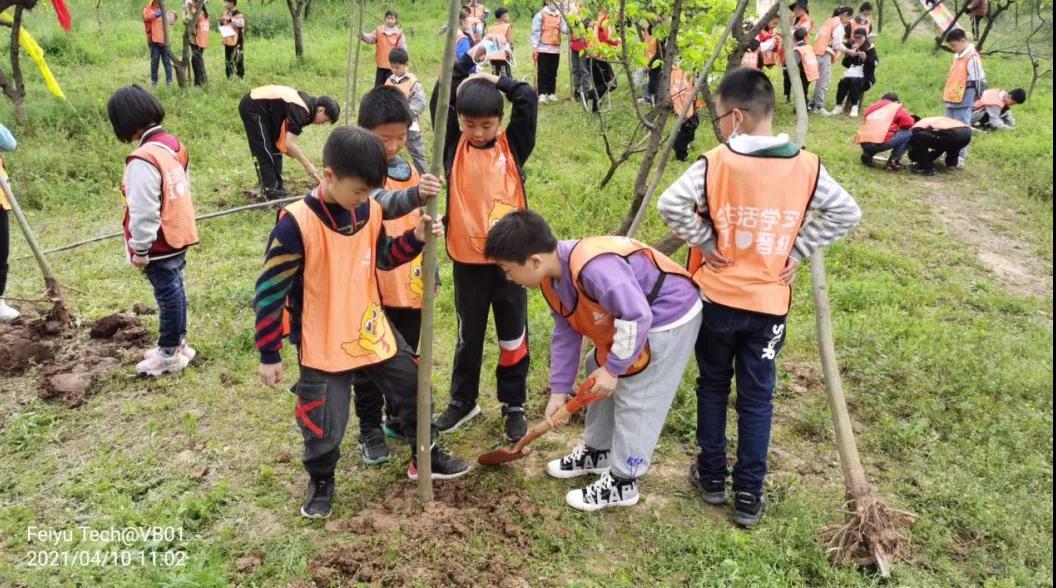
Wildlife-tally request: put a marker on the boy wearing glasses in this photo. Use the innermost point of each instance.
(743, 208)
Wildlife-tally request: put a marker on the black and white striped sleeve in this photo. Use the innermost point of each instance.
(683, 206)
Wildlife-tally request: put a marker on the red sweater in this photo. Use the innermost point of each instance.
(902, 120)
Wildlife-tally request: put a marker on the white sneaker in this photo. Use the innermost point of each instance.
(822, 112)
(553, 98)
(542, 98)
(854, 112)
(582, 461)
(605, 492)
(7, 314)
(838, 110)
(157, 364)
(185, 350)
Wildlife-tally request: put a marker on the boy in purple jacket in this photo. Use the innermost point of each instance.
(641, 311)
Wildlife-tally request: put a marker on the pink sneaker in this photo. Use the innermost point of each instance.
(184, 350)
(156, 363)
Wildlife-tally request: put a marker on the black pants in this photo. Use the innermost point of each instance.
(851, 90)
(479, 288)
(686, 134)
(234, 61)
(262, 144)
(323, 400)
(547, 65)
(380, 75)
(5, 248)
(501, 68)
(198, 66)
(653, 86)
(928, 145)
(368, 398)
(601, 79)
(788, 84)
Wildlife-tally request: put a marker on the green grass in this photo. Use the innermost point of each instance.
(949, 373)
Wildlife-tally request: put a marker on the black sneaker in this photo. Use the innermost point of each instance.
(393, 430)
(583, 460)
(712, 490)
(445, 466)
(372, 446)
(748, 508)
(929, 171)
(867, 160)
(320, 496)
(276, 194)
(516, 422)
(455, 415)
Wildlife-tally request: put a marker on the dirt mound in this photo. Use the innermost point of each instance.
(439, 545)
(71, 360)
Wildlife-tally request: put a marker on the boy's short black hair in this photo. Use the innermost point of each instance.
(1019, 95)
(518, 236)
(330, 107)
(391, 12)
(844, 10)
(956, 35)
(233, 2)
(352, 152)
(500, 12)
(749, 90)
(891, 96)
(799, 34)
(479, 98)
(865, 6)
(399, 55)
(860, 33)
(384, 105)
(132, 110)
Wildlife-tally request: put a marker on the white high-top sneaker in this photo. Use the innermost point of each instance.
(854, 111)
(7, 314)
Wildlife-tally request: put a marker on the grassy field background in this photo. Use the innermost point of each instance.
(943, 315)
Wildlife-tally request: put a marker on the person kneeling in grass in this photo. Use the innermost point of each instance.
(640, 309)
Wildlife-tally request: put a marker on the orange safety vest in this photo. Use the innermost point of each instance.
(155, 25)
(502, 29)
(771, 57)
(201, 32)
(286, 94)
(991, 97)
(750, 59)
(939, 123)
(856, 26)
(682, 87)
(384, 44)
(824, 36)
(651, 48)
(877, 124)
(803, 22)
(485, 185)
(343, 326)
(4, 204)
(957, 79)
(405, 85)
(756, 218)
(587, 316)
(550, 29)
(177, 229)
(225, 19)
(402, 287)
(809, 62)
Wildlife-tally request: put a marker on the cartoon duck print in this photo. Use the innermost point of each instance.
(417, 283)
(375, 335)
(498, 210)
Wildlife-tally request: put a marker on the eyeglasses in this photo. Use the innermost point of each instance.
(722, 116)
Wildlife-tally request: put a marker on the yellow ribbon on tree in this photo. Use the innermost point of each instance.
(36, 53)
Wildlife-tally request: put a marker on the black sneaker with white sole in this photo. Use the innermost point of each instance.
(455, 415)
(516, 422)
(445, 466)
(607, 491)
(320, 497)
(712, 490)
(373, 447)
(582, 461)
(748, 508)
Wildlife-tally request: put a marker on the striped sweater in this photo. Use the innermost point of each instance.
(832, 212)
(283, 271)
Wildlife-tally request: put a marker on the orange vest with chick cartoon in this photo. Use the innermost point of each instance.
(343, 326)
(402, 287)
(957, 79)
(485, 185)
(587, 316)
(756, 218)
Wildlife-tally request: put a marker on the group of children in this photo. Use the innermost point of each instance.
(356, 325)
(232, 27)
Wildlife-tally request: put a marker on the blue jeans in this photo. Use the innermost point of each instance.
(746, 343)
(166, 275)
(898, 145)
(159, 51)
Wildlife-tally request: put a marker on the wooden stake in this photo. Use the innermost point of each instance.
(352, 71)
(60, 308)
(429, 263)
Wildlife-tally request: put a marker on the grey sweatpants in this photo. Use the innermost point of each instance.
(416, 147)
(629, 422)
(821, 87)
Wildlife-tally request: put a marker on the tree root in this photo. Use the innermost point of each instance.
(872, 535)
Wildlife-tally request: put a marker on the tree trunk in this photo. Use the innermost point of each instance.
(296, 10)
(17, 89)
(880, 16)
(991, 18)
